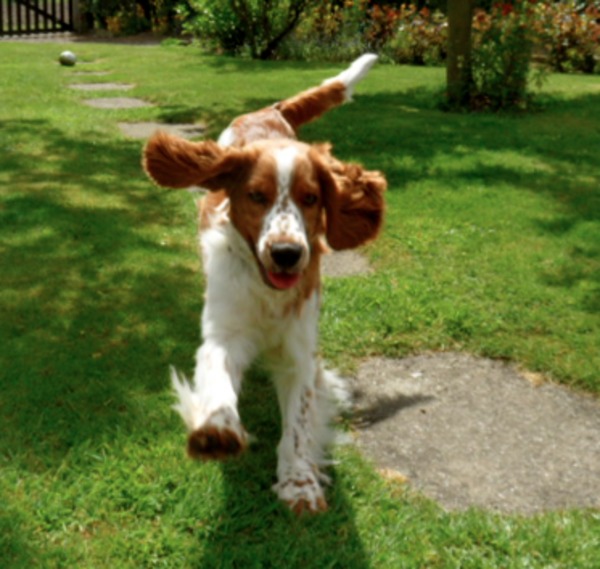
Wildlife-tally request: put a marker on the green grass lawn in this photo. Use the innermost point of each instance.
(491, 246)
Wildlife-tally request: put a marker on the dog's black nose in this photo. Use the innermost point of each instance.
(286, 255)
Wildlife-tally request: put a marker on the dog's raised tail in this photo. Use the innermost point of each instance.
(312, 103)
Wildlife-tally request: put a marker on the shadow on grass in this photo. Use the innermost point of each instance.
(253, 528)
(90, 301)
(93, 308)
(406, 137)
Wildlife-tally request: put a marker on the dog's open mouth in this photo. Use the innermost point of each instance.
(283, 281)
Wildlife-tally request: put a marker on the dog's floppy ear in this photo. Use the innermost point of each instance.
(174, 162)
(353, 200)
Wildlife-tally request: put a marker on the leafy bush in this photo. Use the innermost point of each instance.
(237, 26)
(503, 43)
(328, 31)
(215, 24)
(340, 32)
(570, 35)
(420, 37)
(126, 17)
(505, 34)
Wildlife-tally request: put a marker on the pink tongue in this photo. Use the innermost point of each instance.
(283, 281)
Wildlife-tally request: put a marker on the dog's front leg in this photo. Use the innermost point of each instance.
(299, 451)
(209, 406)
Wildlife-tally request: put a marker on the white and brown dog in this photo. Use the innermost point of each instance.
(273, 207)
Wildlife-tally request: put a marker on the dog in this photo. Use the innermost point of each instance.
(273, 207)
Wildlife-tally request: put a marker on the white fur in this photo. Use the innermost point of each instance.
(236, 328)
(351, 76)
(243, 317)
(284, 221)
(227, 137)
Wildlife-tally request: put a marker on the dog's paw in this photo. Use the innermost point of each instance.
(221, 436)
(303, 494)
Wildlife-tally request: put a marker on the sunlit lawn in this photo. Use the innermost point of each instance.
(491, 246)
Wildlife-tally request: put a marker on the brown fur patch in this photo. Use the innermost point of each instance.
(178, 163)
(211, 443)
(353, 199)
(247, 215)
(312, 103)
(303, 506)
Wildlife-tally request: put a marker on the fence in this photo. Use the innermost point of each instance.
(22, 17)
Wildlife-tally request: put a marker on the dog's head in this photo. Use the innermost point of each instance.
(284, 195)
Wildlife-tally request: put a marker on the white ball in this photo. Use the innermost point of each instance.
(67, 58)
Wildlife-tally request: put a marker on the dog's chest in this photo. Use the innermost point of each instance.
(236, 295)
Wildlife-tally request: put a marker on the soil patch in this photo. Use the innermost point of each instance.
(144, 130)
(101, 86)
(117, 103)
(469, 431)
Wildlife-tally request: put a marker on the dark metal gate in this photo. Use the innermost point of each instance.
(21, 17)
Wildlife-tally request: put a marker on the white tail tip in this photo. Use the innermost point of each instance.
(355, 73)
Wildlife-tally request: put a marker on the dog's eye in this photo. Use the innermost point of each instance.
(309, 200)
(258, 198)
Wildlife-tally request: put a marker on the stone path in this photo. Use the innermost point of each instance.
(101, 86)
(465, 431)
(117, 103)
(476, 432)
(345, 264)
(90, 73)
(144, 130)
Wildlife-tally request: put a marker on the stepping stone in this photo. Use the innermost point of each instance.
(144, 130)
(476, 432)
(344, 264)
(101, 86)
(117, 103)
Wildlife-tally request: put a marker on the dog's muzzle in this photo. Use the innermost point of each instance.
(286, 256)
(286, 264)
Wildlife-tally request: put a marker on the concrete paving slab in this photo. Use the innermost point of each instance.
(144, 130)
(101, 86)
(344, 264)
(117, 103)
(474, 432)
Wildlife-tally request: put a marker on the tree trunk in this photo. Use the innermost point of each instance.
(295, 11)
(458, 69)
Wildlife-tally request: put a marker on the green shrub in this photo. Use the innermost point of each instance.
(215, 24)
(328, 31)
(503, 43)
(505, 35)
(570, 35)
(234, 27)
(127, 17)
(420, 37)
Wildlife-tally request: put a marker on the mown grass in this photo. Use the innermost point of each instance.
(491, 246)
